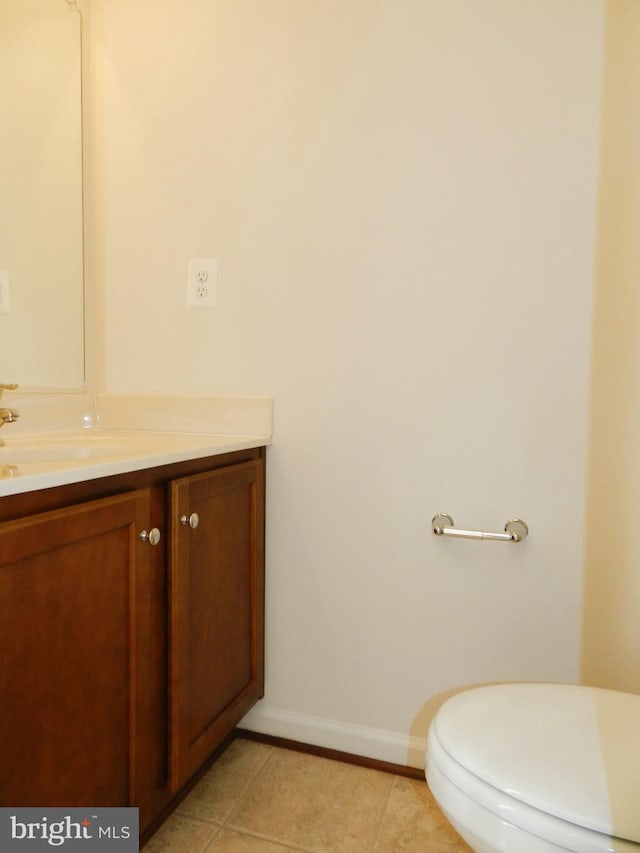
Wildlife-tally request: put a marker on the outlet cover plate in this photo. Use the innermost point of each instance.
(202, 283)
(5, 292)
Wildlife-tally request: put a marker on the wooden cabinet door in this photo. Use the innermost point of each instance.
(74, 618)
(216, 609)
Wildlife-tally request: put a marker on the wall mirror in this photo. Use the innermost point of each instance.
(41, 204)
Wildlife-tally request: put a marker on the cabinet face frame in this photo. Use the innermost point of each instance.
(150, 780)
(230, 505)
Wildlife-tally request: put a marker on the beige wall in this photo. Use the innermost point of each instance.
(611, 656)
(401, 197)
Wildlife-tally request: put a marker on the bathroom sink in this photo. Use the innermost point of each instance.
(17, 456)
(81, 447)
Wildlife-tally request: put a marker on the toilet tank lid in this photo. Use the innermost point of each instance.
(573, 752)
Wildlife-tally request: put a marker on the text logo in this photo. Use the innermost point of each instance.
(102, 829)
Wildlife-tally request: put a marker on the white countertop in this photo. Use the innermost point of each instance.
(69, 438)
(47, 459)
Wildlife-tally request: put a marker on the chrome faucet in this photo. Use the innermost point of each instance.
(7, 416)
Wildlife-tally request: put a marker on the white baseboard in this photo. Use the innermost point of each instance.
(380, 744)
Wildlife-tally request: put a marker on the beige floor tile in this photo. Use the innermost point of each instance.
(220, 790)
(235, 842)
(180, 834)
(314, 803)
(413, 823)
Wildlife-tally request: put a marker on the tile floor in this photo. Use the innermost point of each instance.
(259, 798)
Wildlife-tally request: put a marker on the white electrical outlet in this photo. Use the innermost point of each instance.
(5, 293)
(202, 283)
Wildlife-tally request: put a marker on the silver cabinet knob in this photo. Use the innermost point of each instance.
(191, 521)
(151, 536)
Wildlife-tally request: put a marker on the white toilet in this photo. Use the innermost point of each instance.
(533, 768)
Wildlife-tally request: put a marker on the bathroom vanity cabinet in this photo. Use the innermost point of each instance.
(125, 664)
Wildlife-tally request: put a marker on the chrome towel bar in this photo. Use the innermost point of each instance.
(515, 530)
